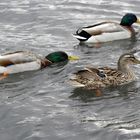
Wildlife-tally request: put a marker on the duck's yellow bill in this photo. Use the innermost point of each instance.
(138, 21)
(73, 57)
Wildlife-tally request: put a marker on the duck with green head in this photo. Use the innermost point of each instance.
(108, 30)
(21, 61)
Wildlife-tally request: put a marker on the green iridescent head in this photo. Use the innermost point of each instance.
(60, 56)
(129, 19)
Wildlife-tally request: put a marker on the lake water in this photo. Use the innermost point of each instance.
(41, 105)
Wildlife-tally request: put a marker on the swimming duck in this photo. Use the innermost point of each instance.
(21, 61)
(95, 78)
(108, 30)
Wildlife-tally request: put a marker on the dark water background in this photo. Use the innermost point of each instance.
(41, 105)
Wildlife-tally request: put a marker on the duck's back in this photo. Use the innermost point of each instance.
(103, 27)
(99, 77)
(16, 58)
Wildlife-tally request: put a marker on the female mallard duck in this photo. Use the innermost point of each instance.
(108, 30)
(95, 78)
(21, 61)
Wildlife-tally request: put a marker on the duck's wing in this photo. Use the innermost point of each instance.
(87, 77)
(110, 72)
(88, 74)
(94, 78)
(113, 77)
(91, 73)
(85, 33)
(17, 58)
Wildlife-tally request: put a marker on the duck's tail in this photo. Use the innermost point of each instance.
(80, 38)
(74, 82)
(82, 35)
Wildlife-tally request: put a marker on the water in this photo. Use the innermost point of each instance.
(41, 105)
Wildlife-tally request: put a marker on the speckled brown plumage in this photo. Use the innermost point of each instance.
(93, 78)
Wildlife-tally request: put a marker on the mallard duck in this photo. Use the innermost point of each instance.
(95, 78)
(21, 61)
(108, 30)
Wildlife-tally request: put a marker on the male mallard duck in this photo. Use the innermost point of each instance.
(21, 61)
(108, 30)
(95, 78)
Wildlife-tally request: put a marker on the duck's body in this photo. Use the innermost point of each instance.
(108, 30)
(93, 78)
(19, 62)
(104, 32)
(22, 61)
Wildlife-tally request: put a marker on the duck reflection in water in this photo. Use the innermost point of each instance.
(86, 95)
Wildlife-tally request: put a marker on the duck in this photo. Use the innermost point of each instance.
(108, 31)
(97, 78)
(21, 61)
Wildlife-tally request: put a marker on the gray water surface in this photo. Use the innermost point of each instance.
(41, 105)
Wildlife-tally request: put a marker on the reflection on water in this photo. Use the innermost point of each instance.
(42, 105)
(104, 111)
(86, 95)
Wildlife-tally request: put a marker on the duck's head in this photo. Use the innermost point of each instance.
(126, 59)
(129, 19)
(60, 56)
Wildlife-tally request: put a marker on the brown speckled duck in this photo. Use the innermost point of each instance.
(95, 78)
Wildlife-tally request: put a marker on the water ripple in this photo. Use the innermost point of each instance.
(42, 105)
